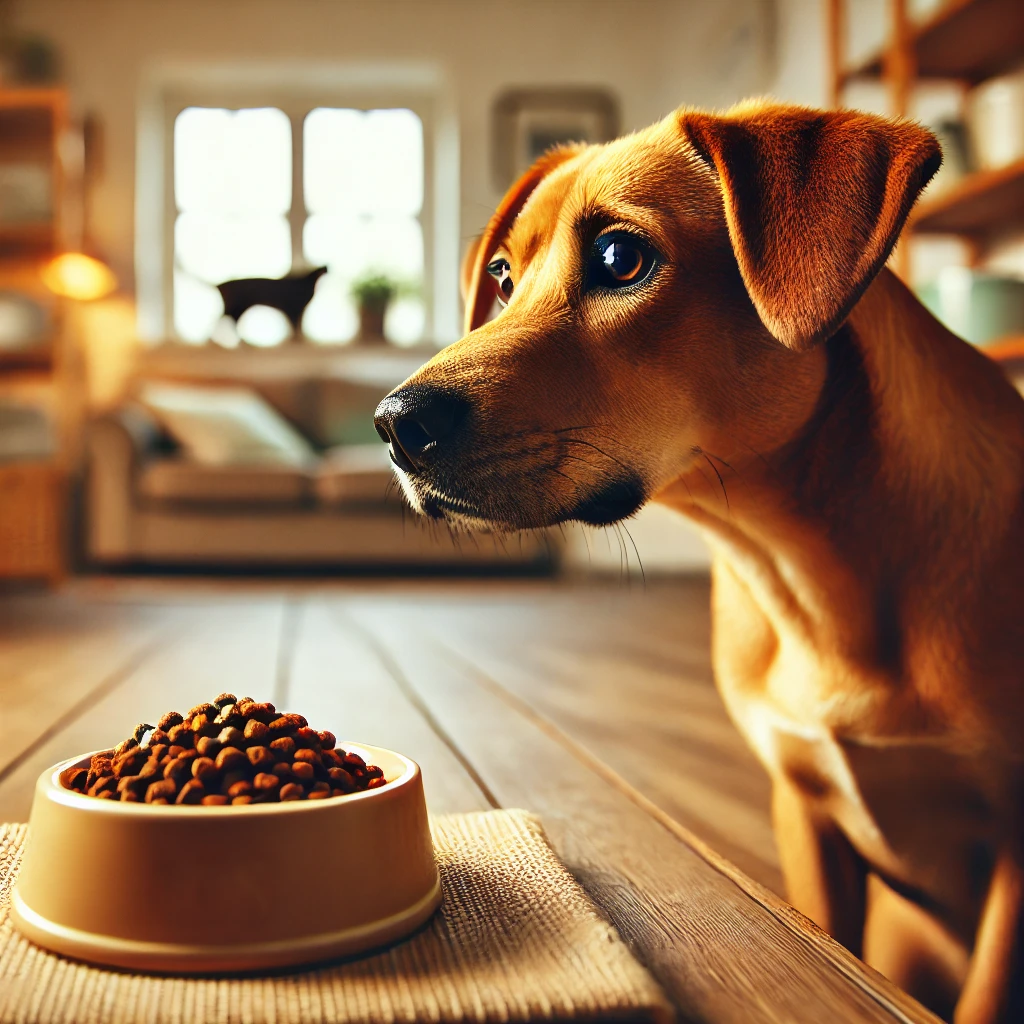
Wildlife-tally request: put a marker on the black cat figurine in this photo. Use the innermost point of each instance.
(291, 294)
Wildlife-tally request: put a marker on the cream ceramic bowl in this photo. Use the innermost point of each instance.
(215, 889)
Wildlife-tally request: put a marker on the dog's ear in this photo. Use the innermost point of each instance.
(814, 203)
(480, 289)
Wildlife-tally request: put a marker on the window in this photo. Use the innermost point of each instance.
(357, 212)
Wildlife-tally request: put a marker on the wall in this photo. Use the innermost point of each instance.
(654, 54)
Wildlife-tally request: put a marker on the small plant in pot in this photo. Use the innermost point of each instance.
(373, 293)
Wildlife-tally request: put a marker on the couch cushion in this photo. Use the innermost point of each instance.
(181, 480)
(354, 473)
(220, 426)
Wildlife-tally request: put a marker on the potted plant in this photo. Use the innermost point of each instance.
(373, 293)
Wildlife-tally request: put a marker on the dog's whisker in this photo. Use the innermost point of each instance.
(725, 493)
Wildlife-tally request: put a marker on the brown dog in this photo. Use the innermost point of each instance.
(699, 314)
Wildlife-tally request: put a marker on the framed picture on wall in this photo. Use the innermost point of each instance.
(528, 122)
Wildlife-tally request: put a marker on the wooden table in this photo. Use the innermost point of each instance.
(592, 706)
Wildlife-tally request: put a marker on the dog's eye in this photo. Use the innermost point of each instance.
(620, 260)
(501, 270)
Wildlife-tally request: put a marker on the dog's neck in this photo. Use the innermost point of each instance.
(798, 523)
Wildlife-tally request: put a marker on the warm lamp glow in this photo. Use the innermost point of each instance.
(77, 276)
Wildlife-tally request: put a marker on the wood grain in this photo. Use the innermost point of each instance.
(720, 954)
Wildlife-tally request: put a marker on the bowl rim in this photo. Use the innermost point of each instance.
(49, 781)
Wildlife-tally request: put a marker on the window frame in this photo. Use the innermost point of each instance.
(296, 91)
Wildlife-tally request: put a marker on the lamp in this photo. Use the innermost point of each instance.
(75, 275)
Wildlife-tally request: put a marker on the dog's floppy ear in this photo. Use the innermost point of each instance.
(814, 203)
(481, 289)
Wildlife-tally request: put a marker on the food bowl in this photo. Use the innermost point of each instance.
(193, 889)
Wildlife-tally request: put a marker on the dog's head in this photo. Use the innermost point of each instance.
(663, 295)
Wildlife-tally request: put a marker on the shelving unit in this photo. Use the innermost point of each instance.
(966, 41)
(36, 139)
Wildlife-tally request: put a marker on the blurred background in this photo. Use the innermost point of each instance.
(229, 227)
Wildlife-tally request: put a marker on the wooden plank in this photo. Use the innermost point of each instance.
(721, 952)
(983, 203)
(339, 682)
(610, 667)
(206, 651)
(56, 652)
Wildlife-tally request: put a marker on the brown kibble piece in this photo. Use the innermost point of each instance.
(191, 793)
(229, 736)
(203, 768)
(215, 800)
(131, 796)
(224, 698)
(264, 712)
(305, 754)
(74, 778)
(208, 746)
(354, 760)
(206, 708)
(178, 769)
(291, 791)
(125, 746)
(180, 734)
(376, 783)
(169, 721)
(106, 794)
(283, 770)
(302, 770)
(163, 788)
(255, 731)
(230, 758)
(266, 782)
(374, 772)
(327, 739)
(342, 780)
(102, 784)
(261, 758)
(241, 788)
(306, 737)
(239, 801)
(284, 746)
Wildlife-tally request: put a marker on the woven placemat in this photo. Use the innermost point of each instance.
(516, 939)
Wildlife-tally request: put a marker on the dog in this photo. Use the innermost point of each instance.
(699, 314)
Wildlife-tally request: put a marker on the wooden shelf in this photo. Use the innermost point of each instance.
(978, 205)
(969, 40)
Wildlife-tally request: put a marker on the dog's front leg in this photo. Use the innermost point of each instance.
(994, 990)
(825, 877)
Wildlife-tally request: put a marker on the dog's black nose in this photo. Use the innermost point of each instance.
(416, 421)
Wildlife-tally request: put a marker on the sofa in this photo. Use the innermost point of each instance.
(148, 502)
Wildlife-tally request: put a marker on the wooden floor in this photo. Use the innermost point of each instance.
(590, 705)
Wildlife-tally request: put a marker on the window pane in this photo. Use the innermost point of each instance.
(355, 246)
(216, 248)
(331, 316)
(233, 161)
(197, 308)
(363, 162)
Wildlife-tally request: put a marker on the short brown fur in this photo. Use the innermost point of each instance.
(857, 470)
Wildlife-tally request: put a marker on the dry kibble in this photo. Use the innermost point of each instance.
(192, 792)
(284, 746)
(204, 768)
(208, 746)
(74, 778)
(230, 758)
(169, 721)
(229, 752)
(163, 789)
(229, 736)
(266, 782)
(261, 758)
(255, 731)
